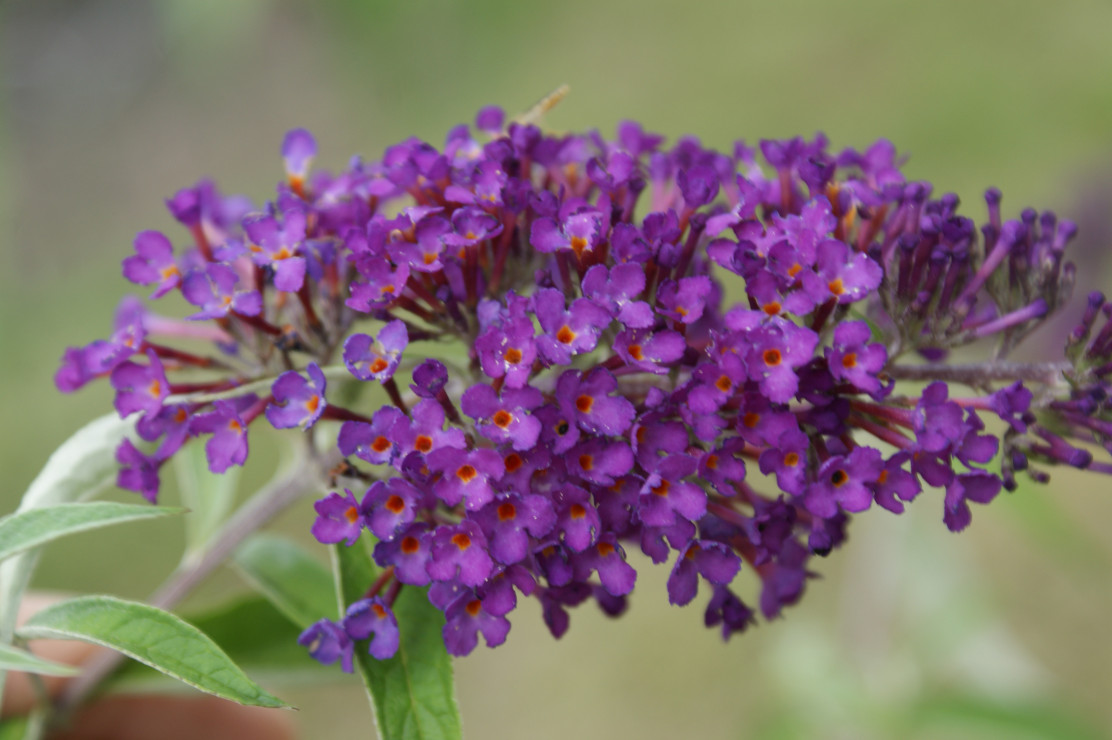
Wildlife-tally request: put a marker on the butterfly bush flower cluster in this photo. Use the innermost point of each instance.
(585, 347)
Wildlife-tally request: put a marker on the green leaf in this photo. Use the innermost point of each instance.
(30, 727)
(413, 693)
(255, 635)
(990, 717)
(84, 464)
(210, 497)
(15, 659)
(26, 529)
(300, 586)
(152, 636)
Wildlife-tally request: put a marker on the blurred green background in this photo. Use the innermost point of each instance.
(108, 106)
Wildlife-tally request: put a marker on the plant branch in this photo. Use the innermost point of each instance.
(978, 374)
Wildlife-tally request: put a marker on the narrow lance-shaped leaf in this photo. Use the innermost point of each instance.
(289, 577)
(15, 659)
(152, 636)
(24, 530)
(208, 495)
(254, 634)
(413, 693)
(83, 465)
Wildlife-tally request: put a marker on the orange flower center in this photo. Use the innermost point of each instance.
(381, 444)
(586, 461)
(507, 511)
(461, 540)
(565, 335)
(584, 403)
(502, 418)
(466, 473)
(849, 360)
(512, 356)
(423, 443)
(351, 514)
(395, 504)
(513, 462)
(578, 511)
(836, 286)
(772, 357)
(410, 544)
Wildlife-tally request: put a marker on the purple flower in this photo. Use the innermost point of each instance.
(466, 619)
(711, 560)
(409, 553)
(460, 553)
(466, 476)
(615, 290)
(508, 350)
(509, 523)
(607, 558)
(666, 496)
(390, 506)
(213, 289)
(471, 226)
(505, 419)
(373, 616)
(845, 481)
(297, 402)
(587, 400)
(228, 444)
(425, 432)
(976, 486)
(841, 276)
(684, 301)
(277, 245)
(567, 332)
(339, 518)
(853, 361)
(327, 643)
(775, 352)
(153, 262)
(139, 472)
(376, 442)
(578, 230)
(648, 351)
(429, 378)
(298, 150)
(140, 387)
(368, 358)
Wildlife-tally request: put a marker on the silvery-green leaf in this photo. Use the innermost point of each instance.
(298, 585)
(82, 466)
(209, 496)
(15, 659)
(24, 530)
(158, 638)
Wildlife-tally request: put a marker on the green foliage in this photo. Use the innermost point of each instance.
(24, 530)
(209, 497)
(413, 693)
(152, 636)
(84, 464)
(299, 586)
(15, 659)
(256, 636)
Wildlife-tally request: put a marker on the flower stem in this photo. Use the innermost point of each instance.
(977, 374)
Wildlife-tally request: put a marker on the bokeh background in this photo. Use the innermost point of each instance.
(108, 106)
